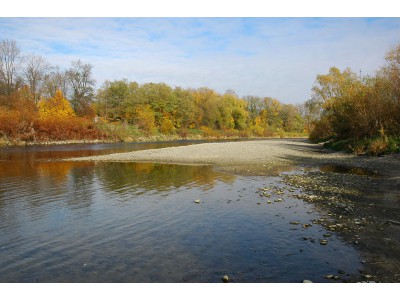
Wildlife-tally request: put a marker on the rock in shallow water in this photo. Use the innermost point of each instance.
(225, 278)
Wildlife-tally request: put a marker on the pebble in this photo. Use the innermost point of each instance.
(295, 223)
(197, 201)
(307, 281)
(225, 278)
(323, 242)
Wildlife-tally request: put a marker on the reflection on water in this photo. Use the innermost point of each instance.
(137, 222)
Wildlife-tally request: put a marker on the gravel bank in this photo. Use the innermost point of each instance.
(261, 157)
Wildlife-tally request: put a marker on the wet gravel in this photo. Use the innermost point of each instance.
(357, 209)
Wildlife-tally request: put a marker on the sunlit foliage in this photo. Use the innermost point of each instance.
(362, 110)
(55, 107)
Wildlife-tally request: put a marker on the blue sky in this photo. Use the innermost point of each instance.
(275, 57)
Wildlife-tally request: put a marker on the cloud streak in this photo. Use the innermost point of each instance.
(277, 57)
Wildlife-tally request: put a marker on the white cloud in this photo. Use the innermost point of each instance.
(267, 57)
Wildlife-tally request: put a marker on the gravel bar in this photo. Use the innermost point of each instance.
(252, 157)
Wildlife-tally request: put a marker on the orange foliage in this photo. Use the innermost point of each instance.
(66, 128)
(18, 119)
(14, 125)
(55, 120)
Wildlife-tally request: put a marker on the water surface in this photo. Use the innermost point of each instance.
(63, 221)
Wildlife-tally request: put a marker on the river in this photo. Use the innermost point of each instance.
(64, 221)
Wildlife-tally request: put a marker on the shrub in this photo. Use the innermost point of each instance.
(209, 132)
(65, 128)
(359, 147)
(322, 130)
(183, 132)
(268, 132)
(257, 130)
(393, 144)
(167, 127)
(378, 145)
(16, 124)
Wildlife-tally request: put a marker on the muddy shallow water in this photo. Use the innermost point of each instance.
(64, 221)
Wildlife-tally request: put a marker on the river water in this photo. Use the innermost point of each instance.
(63, 221)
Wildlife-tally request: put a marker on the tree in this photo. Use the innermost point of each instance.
(110, 99)
(10, 60)
(55, 80)
(82, 84)
(271, 110)
(254, 107)
(392, 73)
(55, 107)
(35, 72)
(311, 111)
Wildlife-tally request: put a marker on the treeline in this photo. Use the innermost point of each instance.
(40, 102)
(159, 108)
(360, 113)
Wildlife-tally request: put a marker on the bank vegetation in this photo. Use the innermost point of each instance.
(41, 103)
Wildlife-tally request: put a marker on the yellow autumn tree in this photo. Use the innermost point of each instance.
(56, 106)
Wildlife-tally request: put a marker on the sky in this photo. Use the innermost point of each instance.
(261, 56)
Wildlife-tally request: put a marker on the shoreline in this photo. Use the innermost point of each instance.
(141, 139)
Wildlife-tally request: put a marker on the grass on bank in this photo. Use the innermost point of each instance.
(377, 145)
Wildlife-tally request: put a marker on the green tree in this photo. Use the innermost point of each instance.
(111, 99)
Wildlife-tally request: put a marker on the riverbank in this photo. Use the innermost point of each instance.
(6, 142)
(359, 194)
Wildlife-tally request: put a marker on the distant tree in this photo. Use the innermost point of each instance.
(55, 80)
(144, 118)
(82, 84)
(310, 111)
(35, 73)
(185, 113)
(111, 98)
(291, 118)
(10, 61)
(231, 92)
(254, 107)
(392, 72)
(271, 113)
